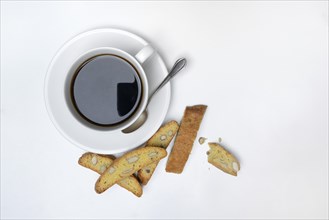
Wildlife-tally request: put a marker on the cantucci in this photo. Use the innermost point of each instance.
(121, 168)
(222, 159)
(100, 163)
(161, 138)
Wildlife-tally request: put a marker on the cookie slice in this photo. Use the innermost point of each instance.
(161, 138)
(99, 163)
(128, 164)
(164, 135)
(222, 159)
(187, 133)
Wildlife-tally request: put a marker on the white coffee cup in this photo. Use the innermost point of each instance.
(136, 61)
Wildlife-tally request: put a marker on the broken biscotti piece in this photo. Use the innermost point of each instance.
(222, 159)
(100, 163)
(128, 164)
(161, 138)
(185, 138)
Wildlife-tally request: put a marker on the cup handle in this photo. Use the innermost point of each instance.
(144, 54)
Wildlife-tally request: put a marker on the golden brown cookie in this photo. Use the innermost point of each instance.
(161, 138)
(222, 159)
(99, 163)
(187, 133)
(128, 164)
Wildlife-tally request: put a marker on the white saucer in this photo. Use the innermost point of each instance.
(103, 141)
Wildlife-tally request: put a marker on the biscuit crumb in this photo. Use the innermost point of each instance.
(202, 140)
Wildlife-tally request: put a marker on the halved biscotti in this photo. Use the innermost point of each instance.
(222, 159)
(187, 133)
(161, 138)
(128, 164)
(99, 163)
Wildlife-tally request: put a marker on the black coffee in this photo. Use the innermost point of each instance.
(106, 90)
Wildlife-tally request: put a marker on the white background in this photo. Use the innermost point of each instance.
(261, 67)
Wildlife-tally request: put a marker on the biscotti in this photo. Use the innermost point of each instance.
(185, 138)
(222, 159)
(128, 164)
(161, 138)
(164, 135)
(100, 163)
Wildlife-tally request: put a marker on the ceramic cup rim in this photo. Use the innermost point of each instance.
(130, 60)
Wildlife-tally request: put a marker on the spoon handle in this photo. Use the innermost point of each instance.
(180, 64)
